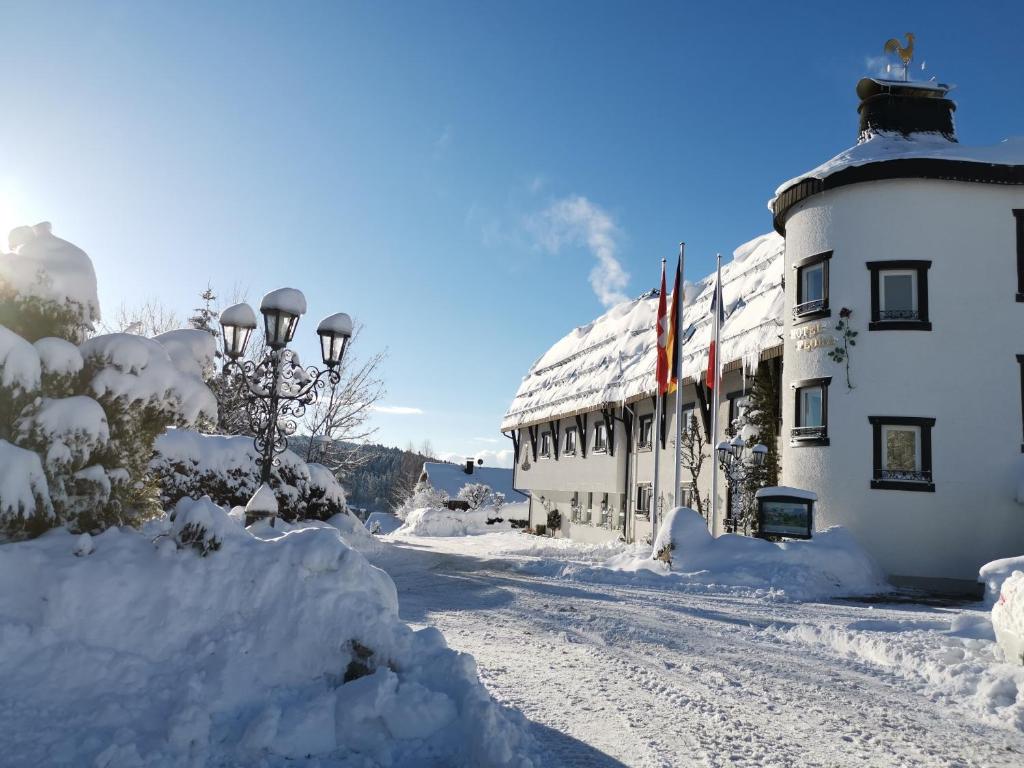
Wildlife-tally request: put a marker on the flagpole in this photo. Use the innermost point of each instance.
(656, 431)
(678, 365)
(716, 402)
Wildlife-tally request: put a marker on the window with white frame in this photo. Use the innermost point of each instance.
(902, 453)
(686, 495)
(545, 445)
(643, 499)
(570, 441)
(812, 287)
(686, 420)
(899, 296)
(645, 432)
(810, 423)
(600, 438)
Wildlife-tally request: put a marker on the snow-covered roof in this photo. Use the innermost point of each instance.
(612, 360)
(449, 478)
(883, 147)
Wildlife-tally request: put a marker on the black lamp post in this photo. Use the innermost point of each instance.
(276, 388)
(736, 463)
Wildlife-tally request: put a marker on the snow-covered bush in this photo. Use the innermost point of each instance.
(191, 464)
(476, 495)
(423, 497)
(89, 409)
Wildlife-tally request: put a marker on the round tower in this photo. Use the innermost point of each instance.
(903, 380)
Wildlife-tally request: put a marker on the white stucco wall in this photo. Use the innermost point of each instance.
(963, 373)
(597, 473)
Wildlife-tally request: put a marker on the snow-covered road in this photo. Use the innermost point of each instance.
(654, 676)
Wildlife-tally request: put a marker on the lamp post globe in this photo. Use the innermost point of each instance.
(759, 453)
(739, 445)
(237, 323)
(335, 331)
(281, 310)
(724, 452)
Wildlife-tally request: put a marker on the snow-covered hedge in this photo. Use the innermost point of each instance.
(131, 648)
(89, 409)
(191, 464)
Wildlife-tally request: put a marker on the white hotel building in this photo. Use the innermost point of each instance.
(922, 457)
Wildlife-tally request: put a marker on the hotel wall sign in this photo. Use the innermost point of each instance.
(812, 336)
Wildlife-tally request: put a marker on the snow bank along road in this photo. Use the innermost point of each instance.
(646, 676)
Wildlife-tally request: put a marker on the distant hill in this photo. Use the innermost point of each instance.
(375, 477)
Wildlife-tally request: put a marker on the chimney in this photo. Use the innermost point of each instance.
(892, 106)
(469, 466)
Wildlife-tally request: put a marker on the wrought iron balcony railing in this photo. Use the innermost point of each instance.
(810, 307)
(899, 314)
(907, 475)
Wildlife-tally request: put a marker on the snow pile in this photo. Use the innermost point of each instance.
(135, 649)
(47, 269)
(993, 574)
(188, 463)
(957, 661)
(612, 359)
(433, 521)
(1008, 618)
(831, 564)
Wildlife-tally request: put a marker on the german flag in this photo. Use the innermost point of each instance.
(675, 327)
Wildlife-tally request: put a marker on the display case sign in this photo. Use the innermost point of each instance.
(786, 515)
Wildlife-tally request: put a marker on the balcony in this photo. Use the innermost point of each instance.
(903, 480)
(898, 314)
(805, 436)
(811, 309)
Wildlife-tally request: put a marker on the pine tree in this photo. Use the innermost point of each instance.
(205, 317)
(764, 416)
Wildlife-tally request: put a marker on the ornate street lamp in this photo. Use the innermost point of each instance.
(736, 464)
(276, 388)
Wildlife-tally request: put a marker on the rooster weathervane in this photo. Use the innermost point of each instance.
(906, 52)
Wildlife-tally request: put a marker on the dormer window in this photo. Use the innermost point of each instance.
(812, 287)
(899, 296)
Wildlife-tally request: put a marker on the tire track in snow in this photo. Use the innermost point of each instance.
(658, 677)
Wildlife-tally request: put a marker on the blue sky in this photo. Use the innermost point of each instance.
(447, 173)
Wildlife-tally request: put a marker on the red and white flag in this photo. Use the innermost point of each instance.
(716, 306)
(663, 335)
